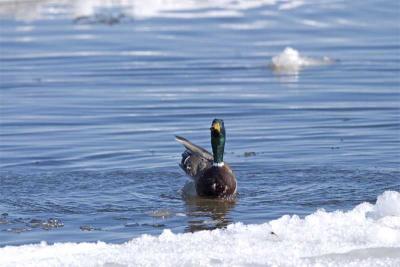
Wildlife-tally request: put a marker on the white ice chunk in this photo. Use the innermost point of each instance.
(290, 61)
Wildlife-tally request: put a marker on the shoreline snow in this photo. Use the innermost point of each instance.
(367, 235)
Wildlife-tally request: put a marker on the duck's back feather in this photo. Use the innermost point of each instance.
(195, 159)
(194, 149)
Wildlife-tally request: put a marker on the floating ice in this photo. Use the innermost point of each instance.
(29, 224)
(290, 61)
(338, 238)
(161, 213)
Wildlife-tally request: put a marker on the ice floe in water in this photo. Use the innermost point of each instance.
(367, 235)
(291, 62)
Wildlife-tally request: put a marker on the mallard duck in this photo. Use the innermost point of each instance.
(212, 177)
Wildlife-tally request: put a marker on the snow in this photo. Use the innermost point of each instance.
(367, 235)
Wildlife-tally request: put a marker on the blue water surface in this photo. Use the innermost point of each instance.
(92, 96)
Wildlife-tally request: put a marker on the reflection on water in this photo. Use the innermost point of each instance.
(208, 214)
(205, 213)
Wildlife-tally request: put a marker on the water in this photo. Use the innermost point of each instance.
(92, 95)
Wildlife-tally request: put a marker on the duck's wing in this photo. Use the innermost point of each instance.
(195, 159)
(194, 149)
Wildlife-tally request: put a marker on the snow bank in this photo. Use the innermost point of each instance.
(290, 61)
(368, 235)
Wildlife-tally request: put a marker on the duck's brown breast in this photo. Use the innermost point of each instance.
(217, 182)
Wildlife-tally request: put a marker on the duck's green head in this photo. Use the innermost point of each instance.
(218, 140)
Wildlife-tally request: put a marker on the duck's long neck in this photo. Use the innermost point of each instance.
(218, 146)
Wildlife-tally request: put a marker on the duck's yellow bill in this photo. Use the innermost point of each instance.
(216, 126)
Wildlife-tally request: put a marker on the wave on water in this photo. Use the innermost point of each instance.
(38, 9)
(367, 235)
(291, 62)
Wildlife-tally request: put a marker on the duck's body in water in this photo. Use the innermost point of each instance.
(212, 177)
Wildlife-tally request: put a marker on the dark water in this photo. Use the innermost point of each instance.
(90, 102)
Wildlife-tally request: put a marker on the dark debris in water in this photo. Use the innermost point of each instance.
(89, 228)
(106, 19)
(249, 154)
